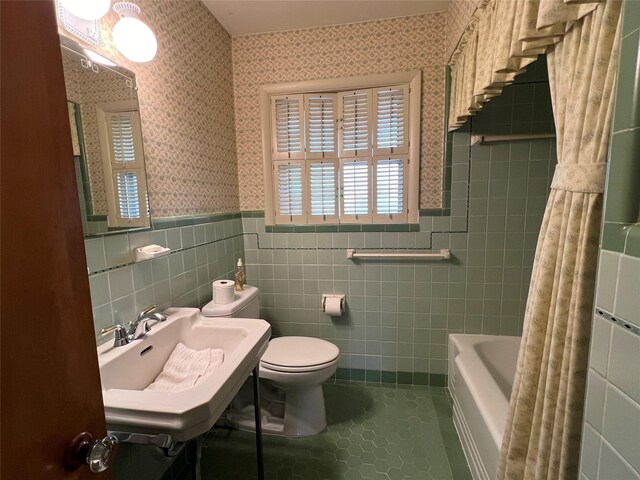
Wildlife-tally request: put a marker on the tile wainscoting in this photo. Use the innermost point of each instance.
(203, 249)
(611, 435)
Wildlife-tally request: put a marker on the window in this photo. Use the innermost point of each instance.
(123, 165)
(335, 154)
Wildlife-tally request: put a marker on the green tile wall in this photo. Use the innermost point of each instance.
(204, 249)
(524, 107)
(400, 313)
(621, 230)
(607, 418)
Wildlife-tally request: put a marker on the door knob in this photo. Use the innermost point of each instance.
(84, 450)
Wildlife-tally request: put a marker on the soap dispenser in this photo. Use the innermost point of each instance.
(240, 276)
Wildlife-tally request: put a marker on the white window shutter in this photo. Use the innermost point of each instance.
(122, 139)
(287, 127)
(125, 139)
(355, 123)
(321, 125)
(129, 205)
(391, 120)
(355, 183)
(341, 157)
(390, 189)
(289, 179)
(126, 186)
(323, 191)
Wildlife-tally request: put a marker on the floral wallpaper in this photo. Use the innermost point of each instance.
(382, 46)
(186, 107)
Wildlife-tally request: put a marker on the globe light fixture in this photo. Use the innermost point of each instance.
(132, 37)
(87, 9)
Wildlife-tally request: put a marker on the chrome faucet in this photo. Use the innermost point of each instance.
(137, 329)
(140, 327)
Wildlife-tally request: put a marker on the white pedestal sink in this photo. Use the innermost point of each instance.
(126, 371)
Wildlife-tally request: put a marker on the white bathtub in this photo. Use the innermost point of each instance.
(481, 371)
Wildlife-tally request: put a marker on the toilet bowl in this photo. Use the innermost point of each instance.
(291, 373)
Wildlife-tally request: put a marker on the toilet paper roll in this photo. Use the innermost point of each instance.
(333, 306)
(223, 291)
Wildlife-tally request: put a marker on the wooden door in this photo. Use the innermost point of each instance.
(50, 380)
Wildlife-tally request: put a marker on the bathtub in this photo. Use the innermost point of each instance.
(481, 371)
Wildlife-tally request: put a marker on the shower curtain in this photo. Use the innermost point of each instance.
(542, 436)
(544, 424)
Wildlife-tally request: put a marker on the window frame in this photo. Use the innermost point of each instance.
(103, 112)
(379, 81)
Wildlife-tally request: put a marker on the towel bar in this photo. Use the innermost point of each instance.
(443, 254)
(481, 139)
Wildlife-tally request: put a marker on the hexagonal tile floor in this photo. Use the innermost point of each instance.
(373, 432)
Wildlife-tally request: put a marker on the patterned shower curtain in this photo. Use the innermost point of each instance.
(544, 424)
(580, 37)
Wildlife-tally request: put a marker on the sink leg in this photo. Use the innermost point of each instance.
(194, 456)
(258, 414)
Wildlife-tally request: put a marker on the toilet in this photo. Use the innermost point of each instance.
(291, 372)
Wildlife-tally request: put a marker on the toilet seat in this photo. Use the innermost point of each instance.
(280, 368)
(299, 354)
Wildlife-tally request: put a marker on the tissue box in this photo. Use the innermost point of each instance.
(150, 251)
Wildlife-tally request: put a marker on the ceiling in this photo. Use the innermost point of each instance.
(244, 17)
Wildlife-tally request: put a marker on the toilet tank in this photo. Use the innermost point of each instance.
(245, 305)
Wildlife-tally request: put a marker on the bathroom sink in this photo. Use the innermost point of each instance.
(126, 371)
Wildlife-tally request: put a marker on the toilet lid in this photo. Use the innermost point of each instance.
(299, 352)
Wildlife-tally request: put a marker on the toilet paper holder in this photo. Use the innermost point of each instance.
(340, 296)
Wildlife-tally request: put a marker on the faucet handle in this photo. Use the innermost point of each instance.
(120, 338)
(108, 330)
(146, 311)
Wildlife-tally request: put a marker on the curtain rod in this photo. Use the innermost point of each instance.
(480, 139)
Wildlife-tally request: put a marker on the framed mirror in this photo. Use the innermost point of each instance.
(106, 133)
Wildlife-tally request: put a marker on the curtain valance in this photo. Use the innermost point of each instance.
(502, 38)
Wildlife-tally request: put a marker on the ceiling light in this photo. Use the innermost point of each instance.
(133, 38)
(87, 9)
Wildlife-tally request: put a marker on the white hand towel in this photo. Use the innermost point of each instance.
(185, 368)
(216, 358)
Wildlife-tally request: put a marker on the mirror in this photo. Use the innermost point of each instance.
(107, 141)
